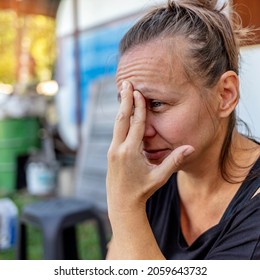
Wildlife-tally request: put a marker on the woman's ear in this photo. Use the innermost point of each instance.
(228, 88)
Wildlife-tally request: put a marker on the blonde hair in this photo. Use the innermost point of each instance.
(213, 40)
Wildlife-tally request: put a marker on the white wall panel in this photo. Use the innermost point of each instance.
(92, 13)
(249, 107)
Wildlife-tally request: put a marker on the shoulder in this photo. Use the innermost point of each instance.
(240, 234)
(240, 230)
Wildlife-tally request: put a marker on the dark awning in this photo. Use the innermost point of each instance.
(39, 7)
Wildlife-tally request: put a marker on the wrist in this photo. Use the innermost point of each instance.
(133, 237)
(126, 211)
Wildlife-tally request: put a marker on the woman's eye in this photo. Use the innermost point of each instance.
(155, 104)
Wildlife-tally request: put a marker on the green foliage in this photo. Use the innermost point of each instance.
(41, 33)
(29, 35)
(7, 47)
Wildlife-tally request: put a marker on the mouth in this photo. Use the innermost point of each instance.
(156, 155)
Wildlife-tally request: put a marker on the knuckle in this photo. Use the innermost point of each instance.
(178, 160)
(125, 152)
(112, 153)
(138, 120)
(120, 116)
(120, 154)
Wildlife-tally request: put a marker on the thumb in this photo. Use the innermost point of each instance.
(173, 161)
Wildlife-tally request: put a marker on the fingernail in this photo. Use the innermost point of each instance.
(188, 151)
(124, 85)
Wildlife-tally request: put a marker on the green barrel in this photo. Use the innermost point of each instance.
(17, 137)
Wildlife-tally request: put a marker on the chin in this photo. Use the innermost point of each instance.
(155, 162)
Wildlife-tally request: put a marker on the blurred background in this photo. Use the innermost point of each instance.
(55, 55)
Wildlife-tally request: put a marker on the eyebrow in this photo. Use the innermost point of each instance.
(151, 93)
(146, 92)
(145, 89)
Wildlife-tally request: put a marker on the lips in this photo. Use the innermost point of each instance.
(156, 155)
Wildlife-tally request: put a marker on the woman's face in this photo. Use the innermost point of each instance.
(176, 112)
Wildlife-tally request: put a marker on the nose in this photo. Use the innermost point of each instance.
(149, 125)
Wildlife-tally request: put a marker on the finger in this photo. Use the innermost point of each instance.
(172, 163)
(122, 122)
(137, 127)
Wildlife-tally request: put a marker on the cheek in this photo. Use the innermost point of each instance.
(191, 125)
(177, 128)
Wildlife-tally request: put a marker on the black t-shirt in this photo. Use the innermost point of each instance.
(236, 236)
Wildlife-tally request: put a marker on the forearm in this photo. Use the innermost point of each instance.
(133, 238)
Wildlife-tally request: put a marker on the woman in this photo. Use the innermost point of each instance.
(182, 182)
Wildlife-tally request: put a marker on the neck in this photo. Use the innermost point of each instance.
(206, 171)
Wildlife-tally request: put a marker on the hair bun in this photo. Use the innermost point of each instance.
(209, 4)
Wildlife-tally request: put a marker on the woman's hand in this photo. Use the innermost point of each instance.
(131, 179)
